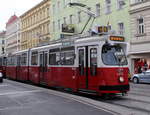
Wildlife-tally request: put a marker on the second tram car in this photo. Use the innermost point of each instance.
(95, 65)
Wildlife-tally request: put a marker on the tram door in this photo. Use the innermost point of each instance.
(43, 67)
(87, 66)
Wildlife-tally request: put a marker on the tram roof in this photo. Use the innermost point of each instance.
(47, 46)
(21, 51)
(91, 39)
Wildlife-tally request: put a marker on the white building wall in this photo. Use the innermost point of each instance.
(139, 43)
(2, 43)
(13, 37)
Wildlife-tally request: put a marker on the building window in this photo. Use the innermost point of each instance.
(48, 12)
(48, 28)
(108, 6)
(59, 26)
(121, 28)
(3, 50)
(97, 9)
(79, 17)
(53, 26)
(3, 42)
(64, 3)
(58, 5)
(71, 19)
(53, 9)
(141, 26)
(120, 4)
(65, 22)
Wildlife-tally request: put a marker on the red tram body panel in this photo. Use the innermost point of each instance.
(22, 73)
(11, 72)
(34, 75)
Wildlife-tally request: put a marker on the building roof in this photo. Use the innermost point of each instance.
(11, 20)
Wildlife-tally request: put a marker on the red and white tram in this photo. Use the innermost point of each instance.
(95, 64)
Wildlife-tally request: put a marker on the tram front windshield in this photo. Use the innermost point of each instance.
(113, 55)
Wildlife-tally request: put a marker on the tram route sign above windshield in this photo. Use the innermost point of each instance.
(117, 38)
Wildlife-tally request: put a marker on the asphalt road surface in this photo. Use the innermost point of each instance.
(22, 99)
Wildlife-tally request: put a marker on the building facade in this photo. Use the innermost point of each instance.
(111, 13)
(35, 26)
(2, 42)
(140, 35)
(12, 34)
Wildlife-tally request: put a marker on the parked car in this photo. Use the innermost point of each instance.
(143, 77)
(1, 77)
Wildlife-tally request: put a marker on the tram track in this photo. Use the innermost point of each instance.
(140, 94)
(124, 105)
(130, 107)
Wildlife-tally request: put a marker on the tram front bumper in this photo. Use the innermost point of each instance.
(120, 88)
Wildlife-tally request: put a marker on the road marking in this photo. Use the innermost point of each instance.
(20, 92)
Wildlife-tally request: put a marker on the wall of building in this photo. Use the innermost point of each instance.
(12, 35)
(35, 25)
(2, 42)
(59, 10)
(140, 42)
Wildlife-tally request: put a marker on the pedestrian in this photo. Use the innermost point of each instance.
(139, 69)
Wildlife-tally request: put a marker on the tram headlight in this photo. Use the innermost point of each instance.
(121, 79)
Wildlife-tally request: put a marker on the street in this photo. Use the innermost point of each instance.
(23, 99)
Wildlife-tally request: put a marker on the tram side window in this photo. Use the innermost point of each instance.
(93, 61)
(4, 61)
(23, 59)
(8, 60)
(11, 61)
(67, 58)
(0, 61)
(54, 58)
(34, 58)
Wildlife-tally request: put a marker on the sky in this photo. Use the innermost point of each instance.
(11, 7)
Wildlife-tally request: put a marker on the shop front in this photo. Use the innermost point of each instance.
(139, 62)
